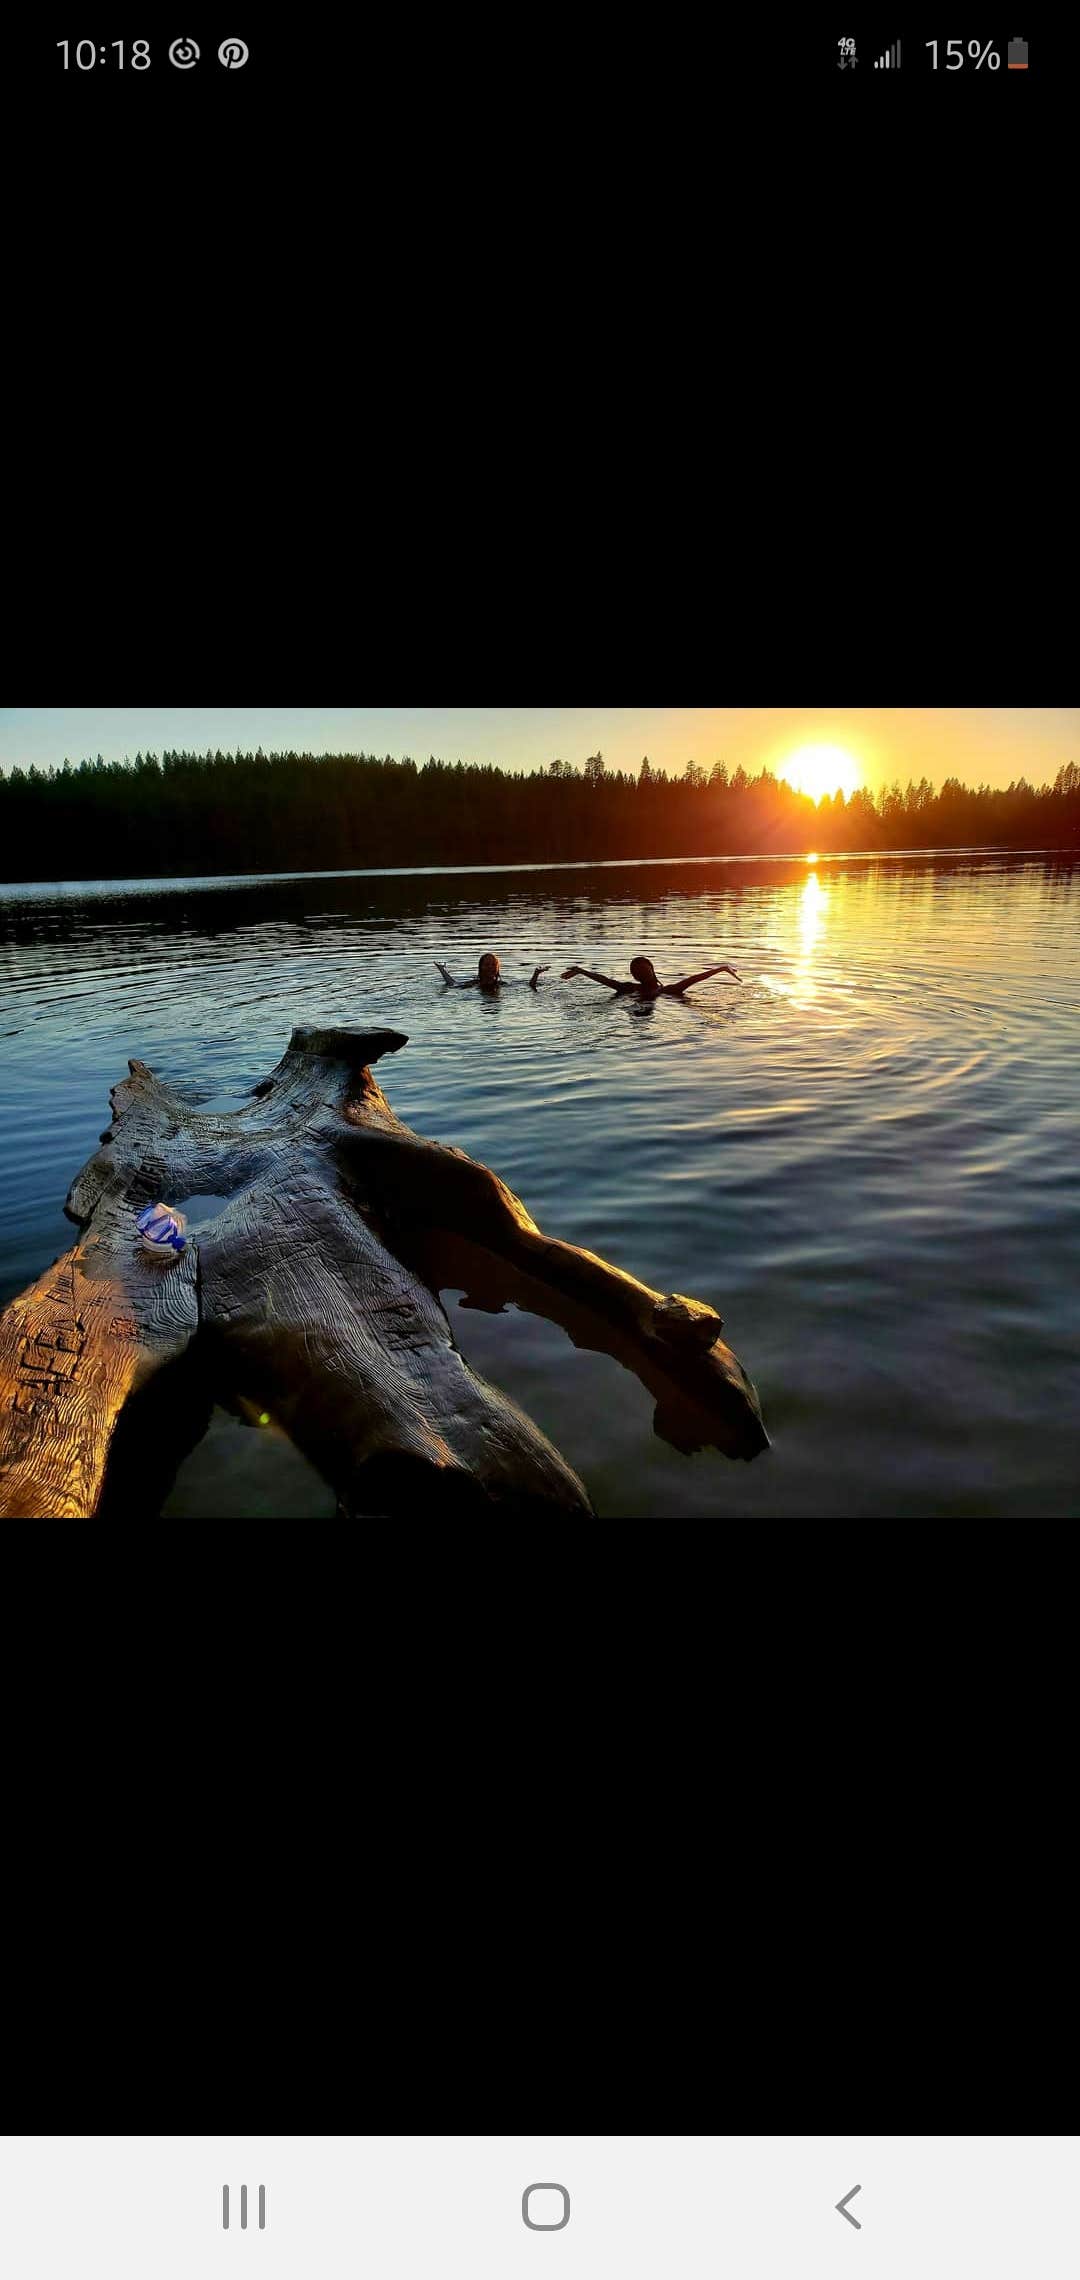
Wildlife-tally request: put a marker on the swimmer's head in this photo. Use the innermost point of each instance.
(487, 972)
(643, 970)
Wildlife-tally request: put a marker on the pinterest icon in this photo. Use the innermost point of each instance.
(232, 53)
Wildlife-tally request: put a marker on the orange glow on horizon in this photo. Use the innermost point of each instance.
(819, 770)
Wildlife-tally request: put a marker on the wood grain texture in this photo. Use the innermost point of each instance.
(671, 1342)
(313, 1293)
(72, 1348)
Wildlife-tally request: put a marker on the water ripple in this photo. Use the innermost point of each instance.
(865, 1155)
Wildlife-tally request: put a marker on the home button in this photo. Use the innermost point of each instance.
(546, 2223)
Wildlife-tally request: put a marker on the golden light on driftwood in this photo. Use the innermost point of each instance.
(311, 1299)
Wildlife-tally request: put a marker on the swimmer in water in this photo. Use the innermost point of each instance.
(645, 983)
(488, 975)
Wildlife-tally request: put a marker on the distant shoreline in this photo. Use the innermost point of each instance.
(191, 816)
(208, 880)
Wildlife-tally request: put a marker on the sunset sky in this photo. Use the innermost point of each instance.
(873, 744)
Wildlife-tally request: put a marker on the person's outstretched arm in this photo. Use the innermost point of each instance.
(535, 976)
(675, 989)
(449, 979)
(592, 976)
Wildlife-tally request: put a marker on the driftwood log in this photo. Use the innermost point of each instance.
(312, 1293)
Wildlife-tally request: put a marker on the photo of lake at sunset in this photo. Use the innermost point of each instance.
(625, 1114)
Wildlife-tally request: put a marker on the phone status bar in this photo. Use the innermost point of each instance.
(234, 63)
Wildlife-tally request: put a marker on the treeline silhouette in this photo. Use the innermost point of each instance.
(197, 814)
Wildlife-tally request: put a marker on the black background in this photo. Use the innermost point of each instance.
(495, 347)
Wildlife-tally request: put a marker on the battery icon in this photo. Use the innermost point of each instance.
(1018, 55)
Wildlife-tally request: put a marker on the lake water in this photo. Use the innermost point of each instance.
(866, 1157)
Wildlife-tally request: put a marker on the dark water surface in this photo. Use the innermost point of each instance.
(867, 1157)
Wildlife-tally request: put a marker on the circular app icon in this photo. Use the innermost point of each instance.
(184, 53)
(232, 53)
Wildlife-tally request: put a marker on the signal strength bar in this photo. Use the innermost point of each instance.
(890, 61)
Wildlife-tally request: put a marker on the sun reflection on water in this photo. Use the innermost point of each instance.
(813, 901)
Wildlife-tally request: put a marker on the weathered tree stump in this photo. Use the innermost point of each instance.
(313, 1292)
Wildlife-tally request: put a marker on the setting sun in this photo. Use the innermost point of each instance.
(821, 769)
